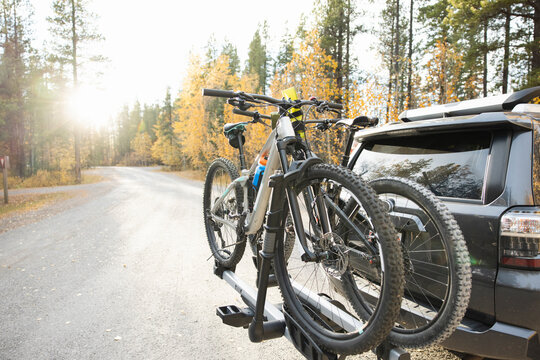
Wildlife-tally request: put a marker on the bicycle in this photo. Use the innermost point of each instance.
(314, 195)
(436, 261)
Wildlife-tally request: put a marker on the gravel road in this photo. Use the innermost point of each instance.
(120, 271)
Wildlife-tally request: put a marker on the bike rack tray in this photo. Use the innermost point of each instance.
(234, 316)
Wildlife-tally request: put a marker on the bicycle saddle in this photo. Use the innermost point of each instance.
(234, 127)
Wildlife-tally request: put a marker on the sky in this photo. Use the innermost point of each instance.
(148, 43)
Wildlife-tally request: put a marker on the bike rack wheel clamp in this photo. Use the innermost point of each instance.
(242, 317)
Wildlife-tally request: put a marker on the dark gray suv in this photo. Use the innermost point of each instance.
(482, 158)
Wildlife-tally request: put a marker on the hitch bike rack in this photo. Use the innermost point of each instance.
(241, 317)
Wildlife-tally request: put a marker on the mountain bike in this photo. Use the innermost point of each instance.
(287, 181)
(436, 260)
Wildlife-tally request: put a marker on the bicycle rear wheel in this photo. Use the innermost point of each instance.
(221, 225)
(314, 292)
(436, 263)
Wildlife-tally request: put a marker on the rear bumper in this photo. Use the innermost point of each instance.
(500, 341)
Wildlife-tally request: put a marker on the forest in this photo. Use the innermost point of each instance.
(429, 52)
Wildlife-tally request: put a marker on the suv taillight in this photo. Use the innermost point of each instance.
(520, 238)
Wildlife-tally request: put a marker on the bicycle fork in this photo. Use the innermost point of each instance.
(260, 330)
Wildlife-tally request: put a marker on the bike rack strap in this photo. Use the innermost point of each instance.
(303, 342)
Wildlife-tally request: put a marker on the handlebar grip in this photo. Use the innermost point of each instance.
(335, 106)
(249, 113)
(218, 93)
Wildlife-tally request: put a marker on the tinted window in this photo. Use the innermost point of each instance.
(450, 165)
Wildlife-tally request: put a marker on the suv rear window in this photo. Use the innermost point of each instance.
(450, 164)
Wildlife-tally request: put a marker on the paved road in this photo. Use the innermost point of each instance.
(122, 274)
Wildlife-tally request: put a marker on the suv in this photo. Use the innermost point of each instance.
(482, 158)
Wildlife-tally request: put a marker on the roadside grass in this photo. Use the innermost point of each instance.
(46, 178)
(26, 202)
(188, 174)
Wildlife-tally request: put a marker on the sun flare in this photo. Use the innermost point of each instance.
(88, 106)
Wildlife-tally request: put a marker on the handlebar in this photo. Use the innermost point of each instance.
(252, 114)
(271, 100)
(231, 94)
(218, 93)
(335, 106)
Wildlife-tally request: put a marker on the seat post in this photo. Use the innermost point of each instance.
(241, 151)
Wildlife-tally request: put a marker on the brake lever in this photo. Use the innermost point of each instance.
(322, 126)
(245, 96)
(242, 105)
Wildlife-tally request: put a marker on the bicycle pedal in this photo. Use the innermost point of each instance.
(234, 316)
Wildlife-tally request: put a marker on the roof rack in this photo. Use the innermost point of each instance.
(472, 107)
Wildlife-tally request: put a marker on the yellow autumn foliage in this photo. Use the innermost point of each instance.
(199, 130)
(366, 99)
(310, 73)
(443, 70)
(199, 120)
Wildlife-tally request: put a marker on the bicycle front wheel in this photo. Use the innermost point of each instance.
(221, 220)
(315, 290)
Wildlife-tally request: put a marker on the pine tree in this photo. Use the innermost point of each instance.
(505, 30)
(124, 133)
(135, 120)
(150, 117)
(285, 53)
(258, 59)
(337, 31)
(234, 60)
(71, 25)
(395, 56)
(166, 148)
(13, 83)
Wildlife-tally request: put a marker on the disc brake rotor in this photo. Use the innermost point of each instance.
(335, 260)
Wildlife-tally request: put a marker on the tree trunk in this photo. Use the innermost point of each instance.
(485, 64)
(535, 71)
(390, 71)
(444, 75)
(397, 60)
(506, 55)
(75, 87)
(347, 48)
(339, 57)
(409, 70)
(18, 114)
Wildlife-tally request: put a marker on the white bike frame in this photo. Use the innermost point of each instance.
(255, 219)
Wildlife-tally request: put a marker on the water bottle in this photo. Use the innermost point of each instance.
(259, 171)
